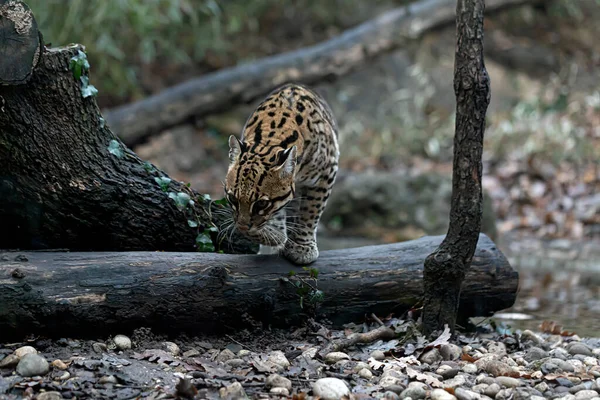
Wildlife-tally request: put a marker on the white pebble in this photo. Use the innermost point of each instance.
(441, 394)
(21, 351)
(330, 389)
(122, 342)
(365, 373)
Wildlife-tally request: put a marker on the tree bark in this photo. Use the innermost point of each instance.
(446, 267)
(21, 43)
(91, 294)
(220, 90)
(66, 181)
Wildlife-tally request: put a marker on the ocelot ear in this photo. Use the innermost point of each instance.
(235, 148)
(287, 162)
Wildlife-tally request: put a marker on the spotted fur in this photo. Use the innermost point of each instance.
(282, 170)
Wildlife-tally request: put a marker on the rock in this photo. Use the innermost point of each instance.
(563, 365)
(441, 394)
(365, 373)
(535, 353)
(191, 353)
(447, 372)
(414, 392)
(480, 388)
(9, 361)
(122, 342)
(21, 351)
(455, 382)
(234, 347)
(99, 347)
(464, 394)
(583, 386)
(275, 380)
(243, 353)
(335, 356)
(330, 388)
(492, 390)
(49, 396)
(579, 348)
(497, 368)
(59, 364)
(360, 365)
(32, 365)
(505, 394)
(108, 379)
(549, 367)
(431, 357)
(172, 348)
(541, 387)
(586, 395)
(64, 376)
(225, 356)
(389, 395)
(590, 361)
(469, 368)
(498, 348)
(529, 335)
(235, 362)
(450, 352)
(560, 353)
(390, 378)
(278, 358)
(280, 391)
(378, 355)
(507, 381)
(424, 199)
(232, 392)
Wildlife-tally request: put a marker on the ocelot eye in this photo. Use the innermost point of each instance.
(260, 205)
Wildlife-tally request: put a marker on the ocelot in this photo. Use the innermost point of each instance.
(282, 170)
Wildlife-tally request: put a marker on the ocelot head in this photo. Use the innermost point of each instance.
(258, 186)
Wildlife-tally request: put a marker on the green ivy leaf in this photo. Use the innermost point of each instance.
(79, 64)
(221, 202)
(181, 199)
(192, 224)
(317, 296)
(87, 90)
(212, 229)
(149, 167)
(292, 273)
(314, 273)
(204, 242)
(102, 122)
(163, 182)
(114, 148)
(206, 197)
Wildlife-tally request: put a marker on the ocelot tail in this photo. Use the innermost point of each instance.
(282, 170)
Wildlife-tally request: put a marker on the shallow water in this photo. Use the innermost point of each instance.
(570, 298)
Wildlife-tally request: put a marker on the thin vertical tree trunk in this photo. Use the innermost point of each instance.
(446, 267)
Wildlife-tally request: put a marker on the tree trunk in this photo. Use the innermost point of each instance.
(92, 294)
(66, 181)
(335, 57)
(446, 267)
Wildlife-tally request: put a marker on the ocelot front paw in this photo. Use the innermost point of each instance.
(301, 254)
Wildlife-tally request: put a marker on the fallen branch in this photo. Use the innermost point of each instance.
(381, 333)
(241, 84)
(91, 294)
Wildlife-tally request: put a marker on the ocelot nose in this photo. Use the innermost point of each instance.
(243, 228)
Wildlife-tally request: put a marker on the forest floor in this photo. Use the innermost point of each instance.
(492, 363)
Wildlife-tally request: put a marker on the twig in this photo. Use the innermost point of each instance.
(376, 319)
(383, 332)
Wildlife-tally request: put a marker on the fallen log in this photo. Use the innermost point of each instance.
(335, 57)
(94, 294)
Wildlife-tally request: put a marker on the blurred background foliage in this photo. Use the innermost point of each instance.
(125, 38)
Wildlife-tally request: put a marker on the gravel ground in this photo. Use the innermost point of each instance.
(307, 363)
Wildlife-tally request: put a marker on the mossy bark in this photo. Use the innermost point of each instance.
(61, 186)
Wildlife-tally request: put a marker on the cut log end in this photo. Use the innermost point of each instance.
(21, 43)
